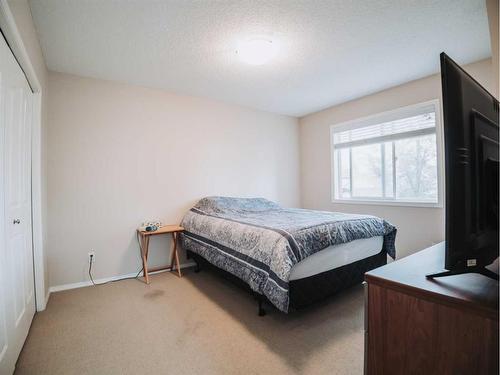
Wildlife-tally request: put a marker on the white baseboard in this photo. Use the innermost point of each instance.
(47, 298)
(82, 284)
(42, 306)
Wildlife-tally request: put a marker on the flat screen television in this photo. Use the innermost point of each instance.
(471, 164)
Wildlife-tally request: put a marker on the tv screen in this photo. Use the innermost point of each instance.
(471, 118)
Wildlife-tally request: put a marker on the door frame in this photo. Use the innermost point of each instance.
(13, 36)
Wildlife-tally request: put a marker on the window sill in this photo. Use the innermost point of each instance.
(388, 203)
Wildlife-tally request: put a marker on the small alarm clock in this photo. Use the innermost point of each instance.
(150, 226)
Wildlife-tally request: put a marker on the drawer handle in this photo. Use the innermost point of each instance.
(17, 221)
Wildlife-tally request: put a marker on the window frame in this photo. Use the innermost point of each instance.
(390, 115)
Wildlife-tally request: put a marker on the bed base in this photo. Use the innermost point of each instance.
(309, 290)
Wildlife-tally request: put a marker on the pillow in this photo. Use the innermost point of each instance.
(217, 205)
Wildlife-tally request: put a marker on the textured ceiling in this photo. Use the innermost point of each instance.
(331, 51)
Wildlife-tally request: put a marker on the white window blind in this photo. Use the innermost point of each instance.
(413, 123)
(391, 157)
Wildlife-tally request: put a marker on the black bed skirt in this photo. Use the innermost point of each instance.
(306, 291)
(315, 288)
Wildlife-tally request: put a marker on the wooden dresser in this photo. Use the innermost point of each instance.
(425, 326)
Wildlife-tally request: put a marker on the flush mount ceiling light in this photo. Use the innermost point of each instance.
(257, 51)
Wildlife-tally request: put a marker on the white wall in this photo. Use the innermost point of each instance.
(22, 17)
(417, 227)
(119, 154)
(493, 13)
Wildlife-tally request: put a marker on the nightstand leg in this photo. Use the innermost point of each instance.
(172, 255)
(176, 255)
(141, 248)
(145, 245)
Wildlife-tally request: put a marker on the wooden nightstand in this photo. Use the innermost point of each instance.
(144, 245)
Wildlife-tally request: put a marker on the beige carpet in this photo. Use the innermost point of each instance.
(199, 324)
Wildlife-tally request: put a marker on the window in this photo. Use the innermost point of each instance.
(391, 158)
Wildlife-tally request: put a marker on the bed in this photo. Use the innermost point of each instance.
(290, 257)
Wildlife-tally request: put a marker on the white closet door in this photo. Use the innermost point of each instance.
(17, 297)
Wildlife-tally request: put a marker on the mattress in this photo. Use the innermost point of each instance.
(259, 241)
(336, 256)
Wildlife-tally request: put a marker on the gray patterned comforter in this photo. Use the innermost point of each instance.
(259, 241)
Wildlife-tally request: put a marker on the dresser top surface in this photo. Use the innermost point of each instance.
(472, 289)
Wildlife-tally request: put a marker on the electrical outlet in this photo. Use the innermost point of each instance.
(92, 257)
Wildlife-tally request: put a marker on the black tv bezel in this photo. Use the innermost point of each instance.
(459, 149)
